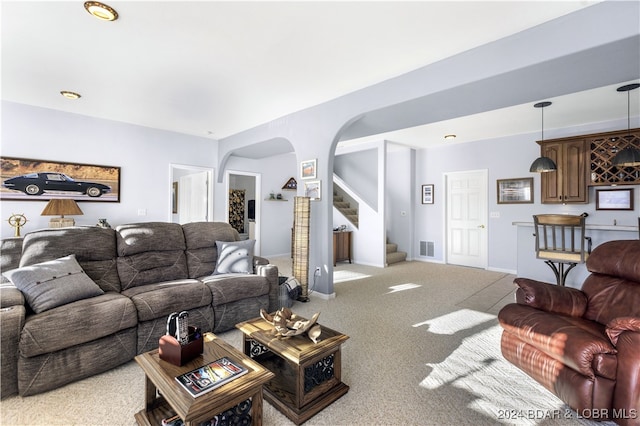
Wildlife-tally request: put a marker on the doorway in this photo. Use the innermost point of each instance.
(191, 194)
(243, 204)
(466, 216)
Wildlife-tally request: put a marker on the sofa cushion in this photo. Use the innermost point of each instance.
(618, 258)
(94, 247)
(150, 253)
(137, 238)
(610, 297)
(226, 288)
(575, 342)
(76, 323)
(11, 249)
(200, 239)
(54, 283)
(160, 299)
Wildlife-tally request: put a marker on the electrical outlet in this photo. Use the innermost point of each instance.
(318, 271)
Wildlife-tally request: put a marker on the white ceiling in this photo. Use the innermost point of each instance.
(213, 68)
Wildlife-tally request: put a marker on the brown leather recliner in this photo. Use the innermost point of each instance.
(583, 345)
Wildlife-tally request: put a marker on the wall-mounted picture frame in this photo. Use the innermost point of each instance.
(614, 199)
(308, 169)
(312, 189)
(515, 191)
(27, 179)
(427, 194)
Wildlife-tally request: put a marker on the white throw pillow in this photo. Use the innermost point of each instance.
(235, 257)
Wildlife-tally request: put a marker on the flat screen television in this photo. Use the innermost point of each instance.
(251, 209)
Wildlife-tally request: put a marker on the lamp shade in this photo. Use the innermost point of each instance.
(627, 157)
(542, 165)
(61, 207)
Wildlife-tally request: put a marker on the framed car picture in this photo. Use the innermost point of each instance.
(27, 179)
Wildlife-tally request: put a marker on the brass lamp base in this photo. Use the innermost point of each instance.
(61, 222)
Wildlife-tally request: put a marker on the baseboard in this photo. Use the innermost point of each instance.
(323, 295)
(441, 262)
(506, 271)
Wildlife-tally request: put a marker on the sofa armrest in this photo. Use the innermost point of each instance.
(257, 260)
(12, 319)
(626, 395)
(550, 297)
(10, 296)
(271, 273)
(619, 325)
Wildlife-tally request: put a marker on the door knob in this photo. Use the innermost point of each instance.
(481, 226)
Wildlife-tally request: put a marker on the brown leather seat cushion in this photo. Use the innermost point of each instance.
(577, 343)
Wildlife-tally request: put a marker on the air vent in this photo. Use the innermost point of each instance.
(426, 248)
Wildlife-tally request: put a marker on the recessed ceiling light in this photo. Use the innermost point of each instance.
(70, 95)
(450, 136)
(101, 10)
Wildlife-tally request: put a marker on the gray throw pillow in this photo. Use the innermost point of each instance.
(48, 285)
(235, 257)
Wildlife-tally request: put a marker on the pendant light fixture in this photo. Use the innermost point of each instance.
(629, 156)
(543, 164)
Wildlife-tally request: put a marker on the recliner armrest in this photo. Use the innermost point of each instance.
(10, 296)
(619, 325)
(550, 297)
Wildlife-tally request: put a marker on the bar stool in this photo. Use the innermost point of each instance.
(560, 242)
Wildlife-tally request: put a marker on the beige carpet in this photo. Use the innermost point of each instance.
(423, 350)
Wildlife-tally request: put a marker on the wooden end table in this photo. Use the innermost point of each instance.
(166, 397)
(307, 375)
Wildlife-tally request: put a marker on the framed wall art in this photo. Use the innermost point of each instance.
(427, 194)
(28, 179)
(515, 191)
(614, 199)
(312, 190)
(308, 169)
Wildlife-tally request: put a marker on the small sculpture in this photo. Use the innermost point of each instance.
(314, 333)
(286, 324)
(17, 221)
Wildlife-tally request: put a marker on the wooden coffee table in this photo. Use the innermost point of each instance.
(166, 397)
(307, 375)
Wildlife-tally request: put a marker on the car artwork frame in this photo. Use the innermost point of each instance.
(25, 179)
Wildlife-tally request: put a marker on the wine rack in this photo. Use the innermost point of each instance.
(602, 149)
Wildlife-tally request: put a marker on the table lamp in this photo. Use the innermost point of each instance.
(61, 207)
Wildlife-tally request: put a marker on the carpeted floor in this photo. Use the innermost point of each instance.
(423, 350)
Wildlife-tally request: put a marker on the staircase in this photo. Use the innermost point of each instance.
(393, 255)
(345, 208)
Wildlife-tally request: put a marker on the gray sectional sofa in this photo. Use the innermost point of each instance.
(128, 281)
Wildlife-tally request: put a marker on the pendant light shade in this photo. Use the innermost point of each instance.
(543, 164)
(630, 156)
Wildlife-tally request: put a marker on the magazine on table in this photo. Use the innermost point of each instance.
(210, 376)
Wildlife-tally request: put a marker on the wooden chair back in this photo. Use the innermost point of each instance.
(561, 238)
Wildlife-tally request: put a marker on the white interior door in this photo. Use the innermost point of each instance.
(467, 218)
(193, 198)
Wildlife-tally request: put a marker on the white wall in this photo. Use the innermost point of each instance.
(142, 153)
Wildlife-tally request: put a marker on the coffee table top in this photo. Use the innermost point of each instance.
(191, 408)
(298, 349)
